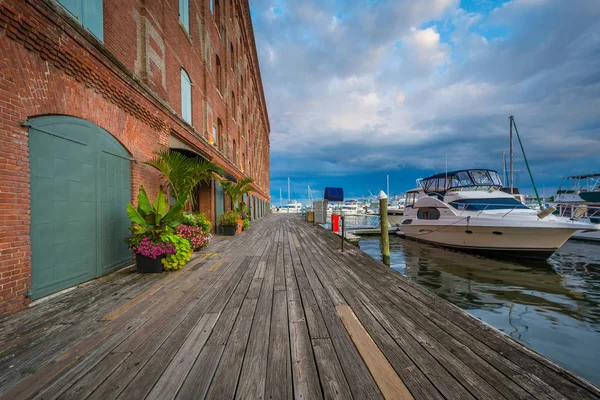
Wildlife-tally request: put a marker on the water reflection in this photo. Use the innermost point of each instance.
(552, 305)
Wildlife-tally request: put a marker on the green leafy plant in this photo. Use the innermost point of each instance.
(245, 225)
(237, 190)
(153, 219)
(230, 218)
(172, 262)
(183, 173)
(197, 219)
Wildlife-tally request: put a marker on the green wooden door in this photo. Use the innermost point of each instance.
(80, 185)
(219, 205)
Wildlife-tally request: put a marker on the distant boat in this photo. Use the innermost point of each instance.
(578, 198)
(352, 207)
(467, 210)
(291, 207)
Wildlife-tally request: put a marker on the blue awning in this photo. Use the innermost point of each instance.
(334, 194)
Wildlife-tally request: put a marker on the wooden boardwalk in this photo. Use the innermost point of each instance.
(278, 312)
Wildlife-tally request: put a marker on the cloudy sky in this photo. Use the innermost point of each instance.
(360, 89)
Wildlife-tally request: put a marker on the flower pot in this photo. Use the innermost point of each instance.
(228, 229)
(239, 226)
(148, 265)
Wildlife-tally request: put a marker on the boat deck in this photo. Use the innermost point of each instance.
(276, 312)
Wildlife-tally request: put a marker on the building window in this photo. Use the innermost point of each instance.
(186, 97)
(89, 13)
(184, 14)
(233, 113)
(219, 75)
(235, 152)
(214, 135)
(220, 134)
(212, 6)
(217, 14)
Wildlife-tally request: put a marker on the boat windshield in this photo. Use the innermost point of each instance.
(473, 179)
(487, 204)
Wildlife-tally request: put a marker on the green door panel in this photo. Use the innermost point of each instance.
(219, 204)
(78, 198)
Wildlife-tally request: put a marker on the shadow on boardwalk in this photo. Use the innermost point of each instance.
(276, 312)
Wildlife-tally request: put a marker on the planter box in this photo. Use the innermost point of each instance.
(239, 227)
(228, 229)
(147, 265)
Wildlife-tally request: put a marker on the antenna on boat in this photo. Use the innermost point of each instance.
(446, 169)
(387, 180)
(510, 123)
(543, 212)
(289, 199)
(504, 164)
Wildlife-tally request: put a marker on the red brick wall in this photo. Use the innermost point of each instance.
(49, 64)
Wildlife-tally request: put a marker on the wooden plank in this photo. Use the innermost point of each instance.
(251, 384)
(200, 377)
(86, 362)
(225, 323)
(357, 374)
(172, 378)
(278, 383)
(331, 374)
(85, 386)
(388, 381)
(178, 327)
(502, 385)
(227, 374)
(304, 370)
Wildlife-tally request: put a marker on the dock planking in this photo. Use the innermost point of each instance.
(278, 312)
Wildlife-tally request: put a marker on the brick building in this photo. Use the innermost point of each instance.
(88, 90)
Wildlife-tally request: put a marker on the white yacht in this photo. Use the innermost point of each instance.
(291, 207)
(578, 197)
(352, 207)
(467, 210)
(395, 210)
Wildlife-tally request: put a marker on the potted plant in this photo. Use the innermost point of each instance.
(150, 222)
(229, 222)
(182, 173)
(149, 252)
(235, 191)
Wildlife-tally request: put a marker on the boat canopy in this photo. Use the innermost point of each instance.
(473, 179)
(334, 194)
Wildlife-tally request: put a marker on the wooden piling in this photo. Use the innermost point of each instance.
(383, 220)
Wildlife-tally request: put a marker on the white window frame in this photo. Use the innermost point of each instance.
(186, 97)
(184, 14)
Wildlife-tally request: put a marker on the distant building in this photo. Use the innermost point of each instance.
(88, 90)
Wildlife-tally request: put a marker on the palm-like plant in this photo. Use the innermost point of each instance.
(183, 173)
(237, 190)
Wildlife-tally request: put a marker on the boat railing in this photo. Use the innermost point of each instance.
(486, 208)
(578, 211)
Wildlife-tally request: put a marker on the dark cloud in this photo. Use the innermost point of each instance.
(357, 90)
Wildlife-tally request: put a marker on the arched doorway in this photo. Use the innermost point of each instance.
(80, 186)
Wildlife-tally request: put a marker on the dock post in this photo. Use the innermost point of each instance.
(383, 222)
(343, 230)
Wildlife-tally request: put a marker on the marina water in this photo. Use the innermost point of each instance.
(552, 306)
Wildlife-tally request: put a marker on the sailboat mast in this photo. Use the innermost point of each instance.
(504, 167)
(510, 119)
(289, 199)
(280, 197)
(387, 180)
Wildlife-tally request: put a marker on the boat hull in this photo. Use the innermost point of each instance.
(590, 197)
(587, 235)
(395, 216)
(508, 241)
